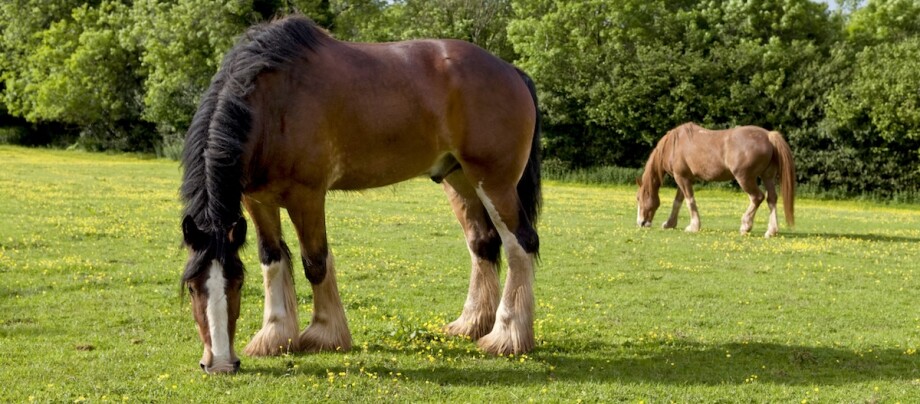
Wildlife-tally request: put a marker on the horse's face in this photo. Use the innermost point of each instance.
(648, 203)
(214, 278)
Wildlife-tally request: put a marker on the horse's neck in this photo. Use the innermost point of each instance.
(666, 154)
(653, 171)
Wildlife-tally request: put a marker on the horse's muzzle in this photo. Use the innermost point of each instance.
(223, 368)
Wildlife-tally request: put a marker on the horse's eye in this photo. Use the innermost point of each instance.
(191, 291)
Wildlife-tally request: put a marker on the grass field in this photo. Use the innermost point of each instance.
(90, 308)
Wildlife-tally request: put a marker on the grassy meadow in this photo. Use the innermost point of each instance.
(90, 304)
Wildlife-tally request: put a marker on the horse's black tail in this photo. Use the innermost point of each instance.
(529, 187)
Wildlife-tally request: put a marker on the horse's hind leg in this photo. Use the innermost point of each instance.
(513, 329)
(484, 244)
(328, 330)
(279, 323)
(749, 185)
(675, 210)
(770, 184)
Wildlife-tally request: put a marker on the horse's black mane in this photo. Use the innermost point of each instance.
(212, 182)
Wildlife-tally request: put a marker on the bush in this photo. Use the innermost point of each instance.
(13, 135)
(556, 170)
(170, 147)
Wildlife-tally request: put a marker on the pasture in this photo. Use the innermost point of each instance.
(90, 304)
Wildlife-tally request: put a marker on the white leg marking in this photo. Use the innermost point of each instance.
(513, 329)
(694, 225)
(217, 315)
(773, 226)
(274, 292)
(493, 213)
(279, 321)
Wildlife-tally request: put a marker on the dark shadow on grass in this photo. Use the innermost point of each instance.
(674, 362)
(682, 362)
(699, 364)
(24, 327)
(10, 293)
(859, 237)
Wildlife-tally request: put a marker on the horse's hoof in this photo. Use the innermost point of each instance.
(463, 327)
(497, 343)
(317, 338)
(224, 368)
(272, 340)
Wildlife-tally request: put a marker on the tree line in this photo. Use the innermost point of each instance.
(613, 75)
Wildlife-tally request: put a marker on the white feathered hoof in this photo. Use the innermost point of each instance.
(508, 339)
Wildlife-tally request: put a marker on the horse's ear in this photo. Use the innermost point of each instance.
(237, 234)
(192, 235)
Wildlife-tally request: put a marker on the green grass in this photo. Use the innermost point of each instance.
(826, 312)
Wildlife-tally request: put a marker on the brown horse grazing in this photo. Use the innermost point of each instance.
(293, 113)
(690, 152)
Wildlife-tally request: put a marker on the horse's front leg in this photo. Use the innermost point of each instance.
(279, 323)
(685, 186)
(675, 210)
(328, 330)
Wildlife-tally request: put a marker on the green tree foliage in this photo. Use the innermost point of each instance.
(482, 22)
(884, 21)
(613, 75)
(21, 22)
(360, 20)
(871, 140)
(868, 140)
(75, 70)
(883, 93)
(184, 43)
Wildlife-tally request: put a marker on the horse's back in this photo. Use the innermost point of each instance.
(720, 155)
(699, 154)
(359, 115)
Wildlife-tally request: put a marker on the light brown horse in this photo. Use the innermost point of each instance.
(293, 113)
(690, 152)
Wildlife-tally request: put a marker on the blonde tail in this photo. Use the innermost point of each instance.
(787, 174)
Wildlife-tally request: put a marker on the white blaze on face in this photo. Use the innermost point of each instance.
(217, 314)
(639, 219)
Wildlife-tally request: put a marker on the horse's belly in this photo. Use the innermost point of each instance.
(379, 170)
(708, 172)
(394, 147)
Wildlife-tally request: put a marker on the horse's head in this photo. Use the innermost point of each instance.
(648, 202)
(214, 278)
